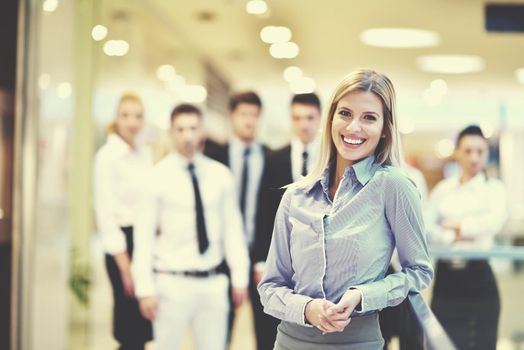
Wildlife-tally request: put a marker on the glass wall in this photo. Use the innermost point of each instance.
(74, 78)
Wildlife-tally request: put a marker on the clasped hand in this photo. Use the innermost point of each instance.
(329, 317)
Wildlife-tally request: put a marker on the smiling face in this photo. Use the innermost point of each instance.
(357, 126)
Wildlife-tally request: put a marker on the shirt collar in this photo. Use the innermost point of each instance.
(237, 148)
(299, 147)
(365, 169)
(477, 180)
(362, 171)
(118, 144)
(183, 162)
(240, 145)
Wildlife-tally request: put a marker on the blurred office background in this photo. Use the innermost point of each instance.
(66, 62)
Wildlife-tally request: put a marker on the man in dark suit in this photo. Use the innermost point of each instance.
(247, 160)
(288, 165)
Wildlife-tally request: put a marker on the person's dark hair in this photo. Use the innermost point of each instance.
(307, 99)
(472, 130)
(249, 97)
(184, 108)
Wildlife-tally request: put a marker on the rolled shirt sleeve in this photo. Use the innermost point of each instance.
(276, 288)
(404, 215)
(105, 203)
(436, 234)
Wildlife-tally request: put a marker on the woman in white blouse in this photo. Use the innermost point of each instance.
(119, 170)
(467, 211)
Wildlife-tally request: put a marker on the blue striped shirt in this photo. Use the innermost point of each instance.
(321, 248)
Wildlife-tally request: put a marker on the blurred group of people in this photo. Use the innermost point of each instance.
(205, 211)
(187, 238)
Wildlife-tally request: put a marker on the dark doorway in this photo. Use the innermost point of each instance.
(8, 46)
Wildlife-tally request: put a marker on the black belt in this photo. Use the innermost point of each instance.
(193, 273)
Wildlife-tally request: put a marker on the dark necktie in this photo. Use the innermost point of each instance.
(203, 242)
(304, 163)
(245, 179)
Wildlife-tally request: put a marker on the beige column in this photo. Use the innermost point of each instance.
(81, 153)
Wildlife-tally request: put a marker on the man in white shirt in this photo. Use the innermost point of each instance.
(178, 275)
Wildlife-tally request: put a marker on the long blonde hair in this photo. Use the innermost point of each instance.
(389, 150)
(126, 96)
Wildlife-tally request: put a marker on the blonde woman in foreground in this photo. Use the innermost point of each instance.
(336, 229)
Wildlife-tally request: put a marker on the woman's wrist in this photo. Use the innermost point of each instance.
(358, 298)
(122, 261)
(306, 310)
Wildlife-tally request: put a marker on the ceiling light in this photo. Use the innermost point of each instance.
(99, 32)
(284, 50)
(165, 72)
(50, 5)
(303, 85)
(116, 47)
(194, 93)
(451, 64)
(399, 37)
(64, 90)
(44, 81)
(444, 148)
(292, 73)
(519, 73)
(256, 7)
(272, 34)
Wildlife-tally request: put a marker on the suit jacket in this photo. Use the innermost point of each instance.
(220, 153)
(217, 151)
(278, 174)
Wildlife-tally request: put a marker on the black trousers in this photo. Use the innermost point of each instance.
(130, 329)
(265, 325)
(399, 321)
(467, 304)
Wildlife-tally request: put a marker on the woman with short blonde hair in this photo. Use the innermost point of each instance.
(336, 229)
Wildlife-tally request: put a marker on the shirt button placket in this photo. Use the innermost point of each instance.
(322, 250)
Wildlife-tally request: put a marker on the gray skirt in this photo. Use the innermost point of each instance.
(362, 333)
